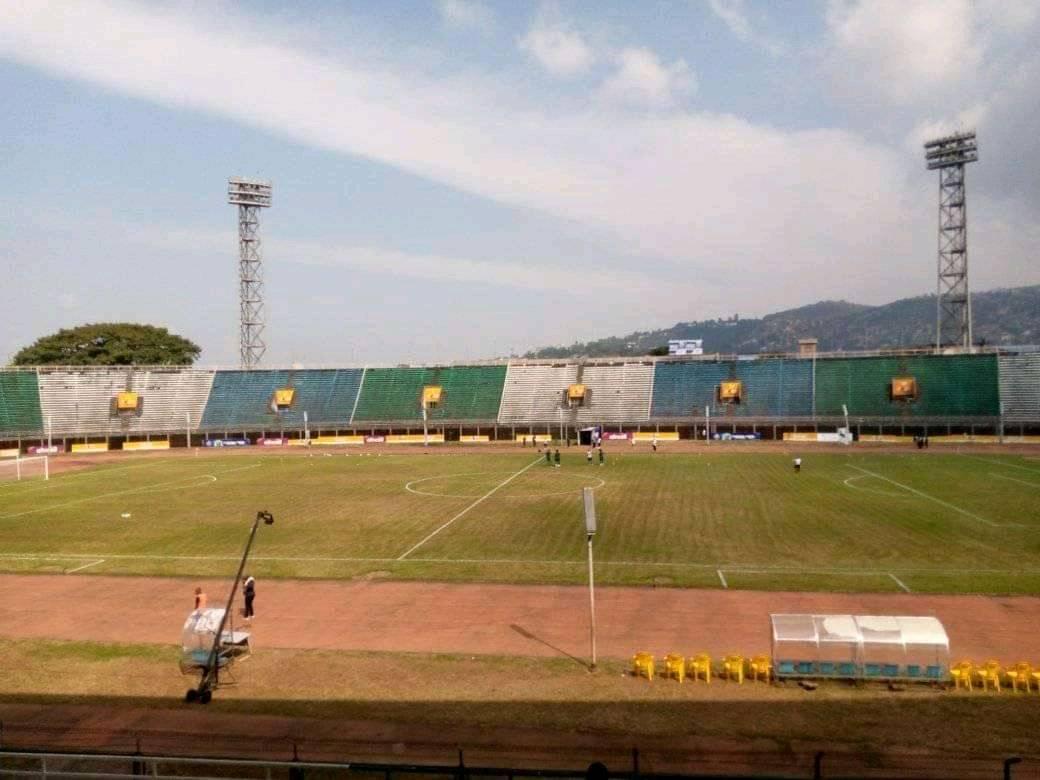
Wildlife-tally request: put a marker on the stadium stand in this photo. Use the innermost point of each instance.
(469, 393)
(948, 386)
(80, 401)
(771, 387)
(242, 400)
(534, 393)
(19, 403)
(1020, 387)
(620, 393)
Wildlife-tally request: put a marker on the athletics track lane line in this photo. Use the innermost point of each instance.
(480, 500)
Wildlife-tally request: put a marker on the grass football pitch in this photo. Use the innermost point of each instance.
(850, 521)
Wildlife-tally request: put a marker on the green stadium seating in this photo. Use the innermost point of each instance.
(772, 387)
(20, 403)
(470, 393)
(242, 399)
(948, 386)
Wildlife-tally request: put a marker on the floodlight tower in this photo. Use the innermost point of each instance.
(949, 155)
(250, 195)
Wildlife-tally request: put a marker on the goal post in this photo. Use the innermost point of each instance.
(17, 469)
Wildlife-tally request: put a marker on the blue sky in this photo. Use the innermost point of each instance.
(458, 179)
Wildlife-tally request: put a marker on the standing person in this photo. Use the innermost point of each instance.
(523, 442)
(588, 457)
(249, 591)
(548, 456)
(601, 454)
(653, 443)
(200, 599)
(557, 457)
(797, 465)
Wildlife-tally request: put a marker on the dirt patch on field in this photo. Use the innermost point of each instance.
(484, 619)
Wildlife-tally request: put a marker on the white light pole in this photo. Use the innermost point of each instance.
(590, 531)
(50, 431)
(306, 428)
(187, 430)
(707, 423)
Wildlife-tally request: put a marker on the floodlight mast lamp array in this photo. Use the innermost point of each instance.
(250, 195)
(949, 155)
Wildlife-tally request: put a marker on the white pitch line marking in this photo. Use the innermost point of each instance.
(939, 501)
(722, 578)
(84, 566)
(479, 501)
(130, 491)
(1012, 479)
(898, 582)
(1001, 463)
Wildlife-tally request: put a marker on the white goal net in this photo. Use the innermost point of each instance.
(17, 469)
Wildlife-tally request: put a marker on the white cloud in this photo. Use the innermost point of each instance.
(734, 14)
(556, 46)
(465, 14)
(904, 50)
(642, 79)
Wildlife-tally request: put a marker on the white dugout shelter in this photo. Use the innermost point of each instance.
(860, 647)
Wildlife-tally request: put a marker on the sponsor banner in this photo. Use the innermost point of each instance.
(964, 439)
(14, 452)
(793, 436)
(885, 439)
(88, 447)
(227, 442)
(837, 437)
(650, 436)
(472, 439)
(737, 436)
(276, 442)
(375, 440)
(616, 436)
(337, 440)
(52, 450)
(411, 438)
(300, 442)
(163, 444)
(542, 437)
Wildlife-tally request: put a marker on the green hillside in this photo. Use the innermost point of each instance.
(1008, 317)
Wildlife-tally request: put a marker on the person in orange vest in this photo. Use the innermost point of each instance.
(200, 599)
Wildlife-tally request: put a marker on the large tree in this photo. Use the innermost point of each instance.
(109, 344)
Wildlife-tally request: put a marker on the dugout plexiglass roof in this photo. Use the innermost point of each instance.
(889, 640)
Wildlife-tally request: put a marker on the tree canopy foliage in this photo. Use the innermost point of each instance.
(109, 344)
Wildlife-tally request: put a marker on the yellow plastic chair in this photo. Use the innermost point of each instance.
(700, 666)
(643, 665)
(989, 674)
(733, 665)
(1019, 674)
(675, 666)
(760, 665)
(962, 674)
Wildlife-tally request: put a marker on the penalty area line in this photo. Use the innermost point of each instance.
(899, 582)
(479, 501)
(939, 501)
(85, 566)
